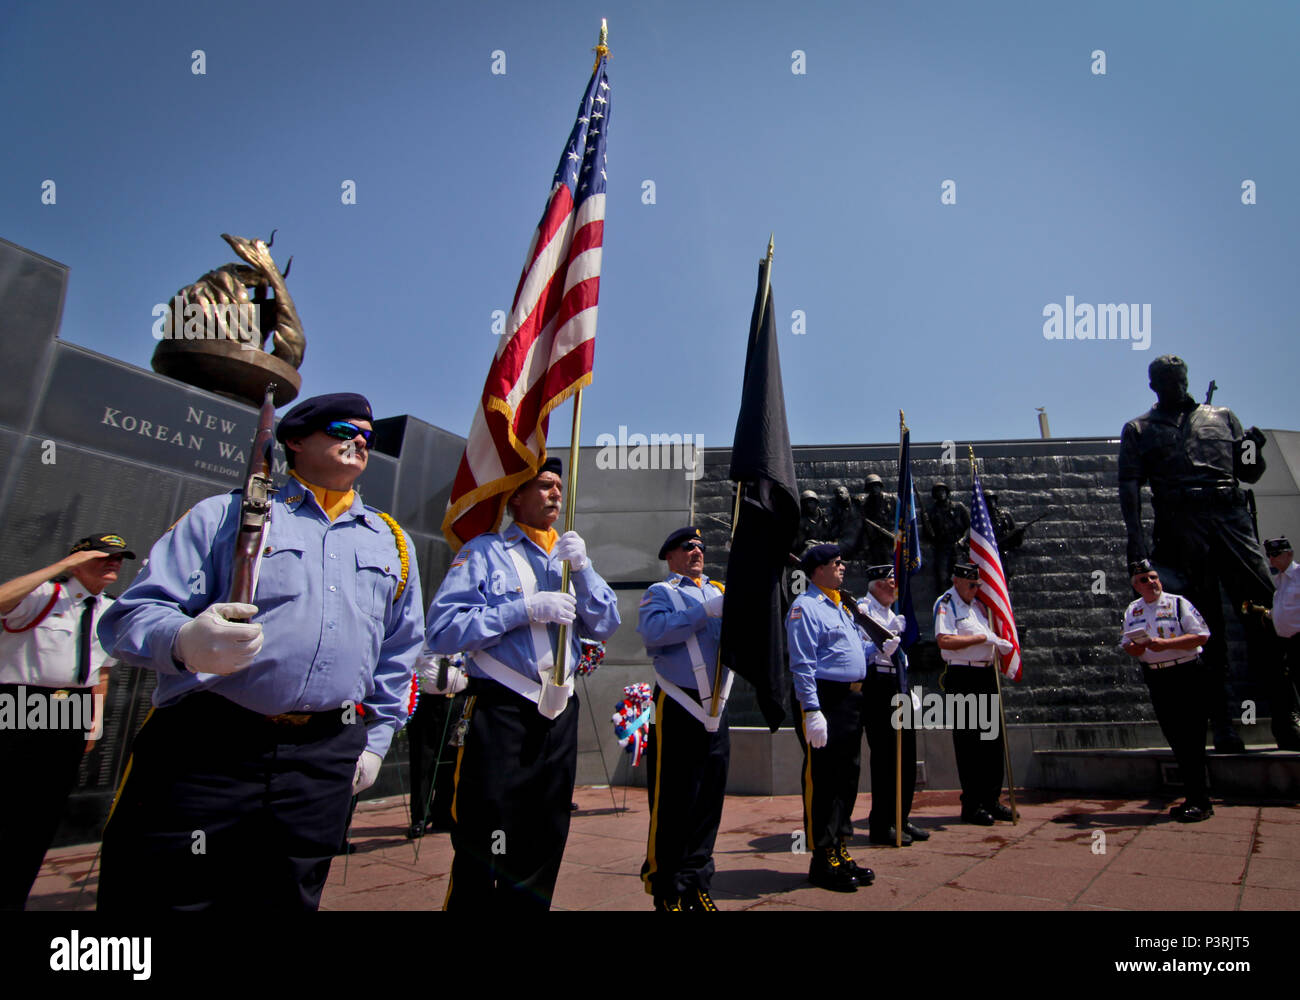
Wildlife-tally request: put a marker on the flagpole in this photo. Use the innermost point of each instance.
(571, 486)
(570, 509)
(735, 510)
(898, 730)
(1002, 712)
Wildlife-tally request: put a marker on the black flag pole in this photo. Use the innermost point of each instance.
(766, 516)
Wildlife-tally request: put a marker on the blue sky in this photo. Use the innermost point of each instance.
(1122, 187)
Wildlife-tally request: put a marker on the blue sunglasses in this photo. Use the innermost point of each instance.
(345, 431)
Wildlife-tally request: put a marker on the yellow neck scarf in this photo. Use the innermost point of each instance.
(332, 502)
(545, 539)
(834, 595)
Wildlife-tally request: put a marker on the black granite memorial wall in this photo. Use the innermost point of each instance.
(1068, 581)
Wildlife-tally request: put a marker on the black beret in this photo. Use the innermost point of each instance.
(818, 555)
(677, 537)
(881, 572)
(552, 464)
(314, 414)
(1138, 566)
(1276, 546)
(103, 541)
(965, 571)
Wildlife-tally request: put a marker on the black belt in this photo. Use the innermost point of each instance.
(214, 708)
(841, 686)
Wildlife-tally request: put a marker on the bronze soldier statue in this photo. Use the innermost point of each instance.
(1194, 457)
(877, 509)
(1004, 525)
(812, 523)
(844, 524)
(946, 522)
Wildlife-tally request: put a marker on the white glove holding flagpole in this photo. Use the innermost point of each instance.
(428, 668)
(570, 546)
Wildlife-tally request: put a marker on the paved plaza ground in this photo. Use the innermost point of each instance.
(1065, 854)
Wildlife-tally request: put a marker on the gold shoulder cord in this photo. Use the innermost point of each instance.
(402, 552)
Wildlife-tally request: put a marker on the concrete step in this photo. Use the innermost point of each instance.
(1262, 772)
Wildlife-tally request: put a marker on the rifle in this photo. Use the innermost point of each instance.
(254, 507)
(876, 632)
(1018, 534)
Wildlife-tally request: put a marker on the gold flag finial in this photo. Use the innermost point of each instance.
(771, 246)
(602, 44)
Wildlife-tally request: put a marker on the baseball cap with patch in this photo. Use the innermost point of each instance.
(103, 541)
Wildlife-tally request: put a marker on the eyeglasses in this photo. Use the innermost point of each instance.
(691, 546)
(345, 431)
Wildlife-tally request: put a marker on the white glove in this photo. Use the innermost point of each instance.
(1004, 645)
(211, 644)
(552, 606)
(367, 771)
(890, 645)
(570, 546)
(815, 729)
(428, 668)
(713, 606)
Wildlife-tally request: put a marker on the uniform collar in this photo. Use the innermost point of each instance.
(682, 580)
(298, 495)
(77, 592)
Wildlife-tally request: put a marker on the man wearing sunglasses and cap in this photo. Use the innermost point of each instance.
(501, 604)
(1167, 634)
(680, 621)
(238, 791)
(49, 652)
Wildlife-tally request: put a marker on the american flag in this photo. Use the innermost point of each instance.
(547, 348)
(993, 582)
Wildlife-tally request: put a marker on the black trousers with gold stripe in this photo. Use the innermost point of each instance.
(510, 814)
(224, 810)
(830, 773)
(686, 776)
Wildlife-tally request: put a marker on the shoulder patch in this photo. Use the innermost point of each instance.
(796, 613)
(644, 601)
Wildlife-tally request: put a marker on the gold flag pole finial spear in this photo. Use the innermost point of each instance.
(602, 44)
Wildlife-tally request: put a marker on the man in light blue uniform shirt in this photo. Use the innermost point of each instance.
(501, 604)
(828, 662)
(680, 620)
(240, 780)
